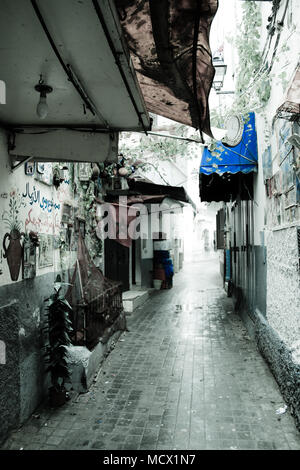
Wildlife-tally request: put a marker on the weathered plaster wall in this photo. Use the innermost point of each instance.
(27, 309)
(281, 362)
(283, 289)
(9, 370)
(276, 319)
(276, 208)
(287, 53)
(28, 204)
(32, 206)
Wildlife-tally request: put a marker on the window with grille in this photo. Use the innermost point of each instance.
(220, 221)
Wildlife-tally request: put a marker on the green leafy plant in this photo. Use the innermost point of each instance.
(145, 153)
(59, 330)
(253, 80)
(10, 217)
(164, 149)
(96, 247)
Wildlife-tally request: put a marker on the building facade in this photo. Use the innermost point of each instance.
(258, 226)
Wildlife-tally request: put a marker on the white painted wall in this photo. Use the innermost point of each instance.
(283, 301)
(30, 196)
(283, 293)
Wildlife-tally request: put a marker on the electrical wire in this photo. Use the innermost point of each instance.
(263, 70)
(281, 23)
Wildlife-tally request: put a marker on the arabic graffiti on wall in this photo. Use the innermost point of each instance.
(31, 209)
(34, 197)
(42, 223)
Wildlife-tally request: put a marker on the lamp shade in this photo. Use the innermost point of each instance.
(220, 72)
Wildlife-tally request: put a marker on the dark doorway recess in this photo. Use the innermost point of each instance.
(133, 262)
(117, 262)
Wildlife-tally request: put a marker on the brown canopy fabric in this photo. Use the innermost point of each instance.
(96, 301)
(174, 192)
(169, 45)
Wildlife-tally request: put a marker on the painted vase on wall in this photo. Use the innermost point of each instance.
(13, 252)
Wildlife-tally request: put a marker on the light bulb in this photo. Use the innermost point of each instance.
(42, 107)
(123, 171)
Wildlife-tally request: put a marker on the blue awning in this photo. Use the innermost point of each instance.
(241, 158)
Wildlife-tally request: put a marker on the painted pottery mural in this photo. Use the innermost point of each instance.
(12, 243)
(13, 252)
(31, 208)
(55, 215)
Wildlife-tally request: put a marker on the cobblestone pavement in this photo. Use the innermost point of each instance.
(185, 376)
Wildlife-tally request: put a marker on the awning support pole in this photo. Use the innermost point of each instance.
(187, 139)
(15, 167)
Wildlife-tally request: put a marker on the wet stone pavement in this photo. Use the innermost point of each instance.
(185, 376)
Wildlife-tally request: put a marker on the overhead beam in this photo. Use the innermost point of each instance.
(62, 145)
(117, 56)
(67, 67)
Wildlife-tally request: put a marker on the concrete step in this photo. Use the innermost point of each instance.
(133, 299)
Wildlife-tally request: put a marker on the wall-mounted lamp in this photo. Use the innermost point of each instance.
(220, 69)
(42, 107)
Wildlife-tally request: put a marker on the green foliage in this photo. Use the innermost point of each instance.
(97, 248)
(216, 118)
(10, 217)
(148, 151)
(59, 329)
(253, 85)
(160, 147)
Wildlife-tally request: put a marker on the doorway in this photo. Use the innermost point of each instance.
(117, 263)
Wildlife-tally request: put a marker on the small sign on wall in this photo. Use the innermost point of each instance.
(84, 171)
(44, 173)
(283, 131)
(45, 251)
(29, 168)
(29, 259)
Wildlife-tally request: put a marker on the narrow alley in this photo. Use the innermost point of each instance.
(186, 375)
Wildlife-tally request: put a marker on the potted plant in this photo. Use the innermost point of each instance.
(59, 330)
